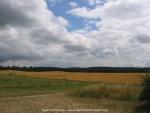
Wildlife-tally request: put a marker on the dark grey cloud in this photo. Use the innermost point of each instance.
(75, 48)
(44, 36)
(103, 52)
(143, 38)
(10, 14)
(17, 50)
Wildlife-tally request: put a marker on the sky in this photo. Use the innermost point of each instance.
(75, 33)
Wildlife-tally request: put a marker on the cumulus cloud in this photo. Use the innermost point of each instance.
(14, 48)
(122, 35)
(31, 34)
(28, 30)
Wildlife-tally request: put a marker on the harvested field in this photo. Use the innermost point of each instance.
(127, 78)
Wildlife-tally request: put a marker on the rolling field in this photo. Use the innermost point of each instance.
(34, 91)
(127, 78)
(87, 84)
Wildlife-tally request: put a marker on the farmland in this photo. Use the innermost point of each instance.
(127, 78)
(34, 91)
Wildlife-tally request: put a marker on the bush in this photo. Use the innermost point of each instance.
(145, 94)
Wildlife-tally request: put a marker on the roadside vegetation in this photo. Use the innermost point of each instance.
(124, 92)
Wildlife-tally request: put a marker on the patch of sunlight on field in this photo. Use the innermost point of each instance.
(128, 78)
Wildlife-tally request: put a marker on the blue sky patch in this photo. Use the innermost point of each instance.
(60, 8)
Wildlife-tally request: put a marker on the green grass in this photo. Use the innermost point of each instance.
(21, 85)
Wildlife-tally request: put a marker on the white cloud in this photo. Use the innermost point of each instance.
(31, 34)
(96, 2)
(73, 4)
(53, 2)
(123, 29)
(85, 12)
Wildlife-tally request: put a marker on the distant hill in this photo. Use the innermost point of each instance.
(79, 69)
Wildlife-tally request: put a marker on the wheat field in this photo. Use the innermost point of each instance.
(127, 78)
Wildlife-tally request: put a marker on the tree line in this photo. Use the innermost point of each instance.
(80, 69)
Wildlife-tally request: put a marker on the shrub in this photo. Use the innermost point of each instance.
(145, 94)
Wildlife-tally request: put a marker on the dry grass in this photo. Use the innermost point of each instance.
(34, 104)
(127, 78)
(109, 91)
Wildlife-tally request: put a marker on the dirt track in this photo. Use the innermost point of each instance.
(37, 103)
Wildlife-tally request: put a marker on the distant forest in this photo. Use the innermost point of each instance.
(79, 69)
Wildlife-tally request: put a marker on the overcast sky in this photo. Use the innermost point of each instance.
(74, 33)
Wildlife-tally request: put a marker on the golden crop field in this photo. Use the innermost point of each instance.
(128, 78)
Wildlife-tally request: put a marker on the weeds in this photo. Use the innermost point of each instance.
(118, 92)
